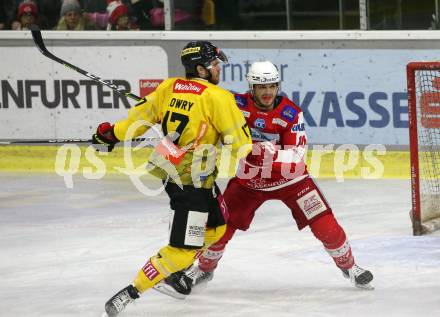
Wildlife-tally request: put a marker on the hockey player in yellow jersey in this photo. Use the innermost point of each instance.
(195, 114)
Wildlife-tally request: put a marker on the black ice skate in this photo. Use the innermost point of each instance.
(177, 285)
(117, 303)
(359, 277)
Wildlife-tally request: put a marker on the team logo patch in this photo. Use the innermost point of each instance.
(260, 123)
(311, 204)
(288, 113)
(279, 122)
(241, 101)
(150, 271)
(298, 127)
(186, 86)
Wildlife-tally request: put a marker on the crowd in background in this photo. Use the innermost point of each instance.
(104, 14)
(217, 14)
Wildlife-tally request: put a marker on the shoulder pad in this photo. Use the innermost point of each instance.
(240, 100)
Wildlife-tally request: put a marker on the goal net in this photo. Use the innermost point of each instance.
(424, 129)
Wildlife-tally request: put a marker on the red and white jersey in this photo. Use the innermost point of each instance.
(279, 144)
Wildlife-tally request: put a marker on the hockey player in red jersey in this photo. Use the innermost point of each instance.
(275, 170)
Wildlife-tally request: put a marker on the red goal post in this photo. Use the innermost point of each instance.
(424, 140)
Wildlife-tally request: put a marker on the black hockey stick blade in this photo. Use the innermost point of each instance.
(44, 141)
(38, 40)
(62, 141)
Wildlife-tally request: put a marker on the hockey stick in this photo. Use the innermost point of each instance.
(38, 39)
(63, 141)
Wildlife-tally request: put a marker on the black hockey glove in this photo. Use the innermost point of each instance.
(104, 139)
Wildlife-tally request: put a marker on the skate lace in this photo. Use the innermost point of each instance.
(356, 270)
(203, 276)
(192, 272)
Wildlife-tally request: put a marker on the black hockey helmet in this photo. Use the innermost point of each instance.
(200, 53)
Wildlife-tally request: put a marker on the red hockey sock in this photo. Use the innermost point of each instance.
(208, 261)
(330, 233)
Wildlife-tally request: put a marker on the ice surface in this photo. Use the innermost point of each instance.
(64, 252)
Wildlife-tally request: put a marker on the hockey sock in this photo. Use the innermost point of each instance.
(342, 256)
(208, 261)
(330, 233)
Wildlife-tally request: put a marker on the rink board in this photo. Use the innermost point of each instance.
(351, 85)
(327, 161)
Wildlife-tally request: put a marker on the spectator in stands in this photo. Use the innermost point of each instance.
(72, 18)
(49, 11)
(227, 15)
(93, 6)
(27, 14)
(101, 19)
(118, 17)
(8, 13)
(208, 14)
(141, 12)
(150, 14)
(194, 9)
(2, 18)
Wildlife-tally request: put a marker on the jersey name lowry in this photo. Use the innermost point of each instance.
(181, 104)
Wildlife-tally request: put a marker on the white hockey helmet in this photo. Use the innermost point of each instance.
(262, 73)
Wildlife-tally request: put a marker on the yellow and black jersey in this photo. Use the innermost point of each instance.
(196, 114)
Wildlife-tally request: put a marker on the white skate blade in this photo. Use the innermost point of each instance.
(166, 289)
(367, 287)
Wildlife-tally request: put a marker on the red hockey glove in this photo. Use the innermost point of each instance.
(104, 138)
